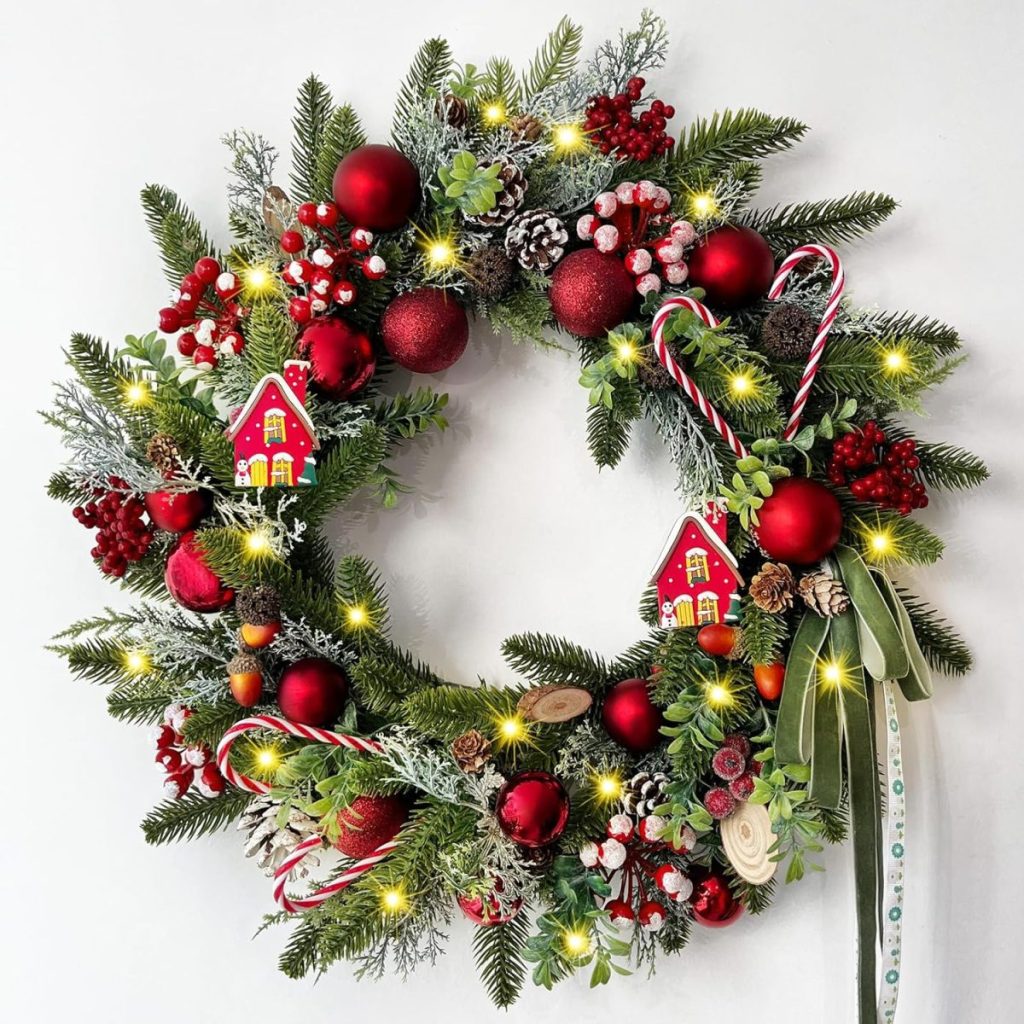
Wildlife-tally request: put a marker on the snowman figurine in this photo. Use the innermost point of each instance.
(242, 477)
(668, 614)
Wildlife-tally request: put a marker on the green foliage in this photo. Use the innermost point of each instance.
(522, 313)
(177, 232)
(920, 329)
(208, 722)
(193, 815)
(163, 371)
(500, 83)
(619, 363)
(695, 338)
(445, 712)
(384, 679)
(142, 700)
(412, 413)
(313, 109)
(830, 221)
(554, 60)
(764, 635)
(499, 955)
(99, 369)
(944, 649)
(470, 187)
(342, 133)
(430, 67)
(98, 659)
(544, 658)
(712, 144)
(269, 340)
(635, 52)
(608, 428)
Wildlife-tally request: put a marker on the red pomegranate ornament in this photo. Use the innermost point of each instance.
(713, 903)
(177, 511)
(734, 266)
(369, 822)
(341, 356)
(631, 718)
(800, 522)
(191, 582)
(377, 187)
(312, 691)
(591, 292)
(425, 330)
(532, 809)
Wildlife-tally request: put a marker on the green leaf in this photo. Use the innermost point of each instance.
(554, 60)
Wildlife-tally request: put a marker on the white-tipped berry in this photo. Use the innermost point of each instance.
(606, 204)
(606, 238)
(638, 261)
(652, 916)
(651, 828)
(590, 854)
(624, 192)
(676, 273)
(586, 226)
(374, 268)
(620, 827)
(612, 854)
(683, 232)
(667, 250)
(648, 283)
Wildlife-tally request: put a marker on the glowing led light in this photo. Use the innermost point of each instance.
(440, 251)
(267, 758)
(512, 729)
(880, 543)
(609, 787)
(393, 900)
(719, 695)
(627, 352)
(703, 205)
(495, 113)
(895, 360)
(576, 942)
(741, 384)
(257, 542)
(357, 616)
(834, 674)
(258, 280)
(568, 138)
(137, 393)
(137, 662)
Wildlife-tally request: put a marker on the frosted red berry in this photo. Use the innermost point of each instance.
(728, 764)
(719, 803)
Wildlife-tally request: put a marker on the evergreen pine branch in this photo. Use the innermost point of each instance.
(830, 221)
(711, 144)
(384, 679)
(314, 558)
(911, 542)
(269, 340)
(145, 578)
(498, 953)
(61, 487)
(524, 314)
(411, 413)
(921, 329)
(359, 585)
(430, 67)
(177, 232)
(141, 701)
(638, 659)
(208, 722)
(445, 712)
(342, 134)
(99, 370)
(217, 454)
(607, 436)
(98, 659)
(500, 83)
(555, 59)
(193, 815)
(192, 431)
(835, 821)
(544, 658)
(302, 951)
(756, 899)
(312, 114)
(764, 635)
(944, 649)
(943, 465)
(648, 608)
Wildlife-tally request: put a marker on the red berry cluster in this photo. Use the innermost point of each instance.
(184, 763)
(732, 764)
(890, 476)
(326, 276)
(212, 322)
(122, 535)
(615, 128)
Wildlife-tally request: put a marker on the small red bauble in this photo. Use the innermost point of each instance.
(801, 522)
(532, 809)
(369, 822)
(169, 320)
(591, 292)
(717, 639)
(312, 691)
(341, 355)
(207, 269)
(177, 511)
(630, 718)
(487, 913)
(733, 265)
(425, 330)
(191, 582)
(714, 905)
(377, 187)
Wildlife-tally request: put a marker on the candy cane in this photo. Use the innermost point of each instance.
(680, 376)
(307, 846)
(796, 257)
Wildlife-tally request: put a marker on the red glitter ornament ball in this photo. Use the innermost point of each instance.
(341, 356)
(377, 187)
(630, 718)
(369, 822)
(424, 330)
(191, 582)
(177, 511)
(591, 292)
(801, 522)
(733, 265)
(532, 809)
(713, 903)
(312, 691)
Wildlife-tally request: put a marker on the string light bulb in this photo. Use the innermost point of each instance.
(357, 616)
(495, 113)
(834, 674)
(265, 759)
(576, 942)
(393, 900)
(609, 787)
(741, 385)
(511, 729)
(568, 139)
(702, 205)
(137, 663)
(258, 280)
(257, 543)
(136, 392)
(440, 250)
(627, 352)
(895, 361)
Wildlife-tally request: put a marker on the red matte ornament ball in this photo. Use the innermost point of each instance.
(191, 582)
(486, 913)
(377, 187)
(312, 691)
(591, 292)
(532, 809)
(800, 522)
(341, 356)
(734, 266)
(713, 903)
(631, 718)
(369, 822)
(425, 330)
(177, 511)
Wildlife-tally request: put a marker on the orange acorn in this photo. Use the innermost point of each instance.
(717, 639)
(259, 609)
(769, 678)
(245, 677)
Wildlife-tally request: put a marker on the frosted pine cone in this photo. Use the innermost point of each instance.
(824, 594)
(644, 792)
(271, 843)
(773, 588)
(537, 239)
(452, 109)
(508, 200)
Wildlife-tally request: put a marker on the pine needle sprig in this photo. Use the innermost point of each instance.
(269, 340)
(636, 52)
(498, 954)
(177, 232)
(430, 67)
(312, 113)
(944, 649)
(342, 133)
(764, 635)
(831, 221)
(727, 137)
(555, 58)
(193, 815)
(544, 658)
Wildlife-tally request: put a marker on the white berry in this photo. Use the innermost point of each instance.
(606, 238)
(648, 283)
(586, 226)
(676, 273)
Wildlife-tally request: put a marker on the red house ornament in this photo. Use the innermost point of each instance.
(696, 574)
(273, 435)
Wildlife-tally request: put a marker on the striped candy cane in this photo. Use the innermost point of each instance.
(236, 778)
(681, 377)
(796, 257)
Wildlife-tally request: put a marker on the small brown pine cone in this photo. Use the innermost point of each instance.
(773, 588)
(258, 605)
(491, 272)
(652, 373)
(163, 452)
(537, 240)
(788, 332)
(525, 128)
(244, 662)
(452, 109)
(472, 750)
(824, 594)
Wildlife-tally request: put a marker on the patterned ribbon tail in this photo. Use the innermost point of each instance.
(893, 861)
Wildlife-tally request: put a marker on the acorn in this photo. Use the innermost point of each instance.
(718, 639)
(245, 677)
(259, 609)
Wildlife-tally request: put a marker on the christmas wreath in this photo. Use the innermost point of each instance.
(585, 818)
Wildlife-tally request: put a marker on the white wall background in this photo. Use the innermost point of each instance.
(916, 98)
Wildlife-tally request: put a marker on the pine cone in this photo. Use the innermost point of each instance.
(491, 272)
(773, 588)
(644, 792)
(163, 452)
(271, 843)
(258, 605)
(824, 594)
(653, 373)
(537, 239)
(525, 128)
(452, 109)
(472, 750)
(509, 199)
(788, 332)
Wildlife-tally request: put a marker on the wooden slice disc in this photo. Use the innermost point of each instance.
(746, 837)
(278, 212)
(554, 703)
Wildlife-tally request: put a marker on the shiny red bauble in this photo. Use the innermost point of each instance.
(369, 822)
(191, 582)
(424, 330)
(631, 718)
(487, 912)
(733, 265)
(591, 292)
(800, 522)
(713, 903)
(532, 809)
(341, 356)
(177, 511)
(377, 187)
(312, 691)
